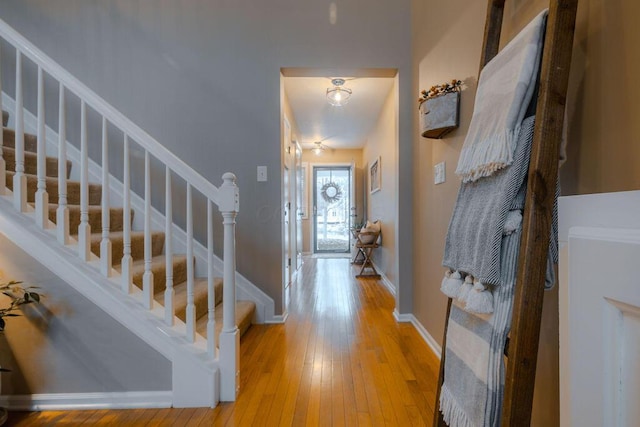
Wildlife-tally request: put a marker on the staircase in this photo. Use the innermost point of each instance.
(245, 310)
(193, 319)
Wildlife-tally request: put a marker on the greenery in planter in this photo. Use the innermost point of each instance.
(19, 296)
(437, 90)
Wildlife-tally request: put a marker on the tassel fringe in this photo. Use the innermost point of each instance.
(451, 411)
(513, 222)
(451, 283)
(483, 157)
(480, 300)
(463, 293)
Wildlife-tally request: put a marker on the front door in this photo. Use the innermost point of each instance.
(332, 208)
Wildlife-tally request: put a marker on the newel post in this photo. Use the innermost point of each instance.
(229, 337)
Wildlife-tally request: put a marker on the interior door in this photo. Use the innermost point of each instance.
(600, 310)
(300, 181)
(353, 209)
(286, 214)
(286, 208)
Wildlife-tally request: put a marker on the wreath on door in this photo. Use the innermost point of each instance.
(331, 192)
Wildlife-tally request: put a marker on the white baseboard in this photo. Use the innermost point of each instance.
(385, 280)
(84, 401)
(279, 318)
(426, 336)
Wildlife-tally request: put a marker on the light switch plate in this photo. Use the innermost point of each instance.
(262, 173)
(439, 173)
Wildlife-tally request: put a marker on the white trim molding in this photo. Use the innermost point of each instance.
(84, 401)
(385, 280)
(426, 336)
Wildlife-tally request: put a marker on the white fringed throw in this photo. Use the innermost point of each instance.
(505, 88)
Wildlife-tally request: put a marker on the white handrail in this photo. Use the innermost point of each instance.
(114, 116)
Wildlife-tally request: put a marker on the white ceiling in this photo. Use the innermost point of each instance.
(340, 127)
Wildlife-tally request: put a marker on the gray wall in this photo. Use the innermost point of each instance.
(68, 345)
(203, 78)
(382, 205)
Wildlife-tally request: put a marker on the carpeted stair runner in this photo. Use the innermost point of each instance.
(245, 310)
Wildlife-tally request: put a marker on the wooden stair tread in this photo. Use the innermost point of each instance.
(30, 140)
(73, 189)
(31, 162)
(116, 220)
(137, 266)
(245, 312)
(96, 236)
(200, 297)
(158, 264)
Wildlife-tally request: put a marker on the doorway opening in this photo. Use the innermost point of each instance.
(332, 209)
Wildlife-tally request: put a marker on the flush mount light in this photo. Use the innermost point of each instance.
(338, 95)
(318, 148)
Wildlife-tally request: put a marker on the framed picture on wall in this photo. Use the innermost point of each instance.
(374, 176)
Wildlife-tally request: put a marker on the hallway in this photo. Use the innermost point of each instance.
(340, 359)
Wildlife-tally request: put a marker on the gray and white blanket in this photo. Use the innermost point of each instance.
(505, 89)
(473, 388)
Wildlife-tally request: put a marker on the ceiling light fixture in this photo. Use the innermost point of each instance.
(318, 149)
(338, 95)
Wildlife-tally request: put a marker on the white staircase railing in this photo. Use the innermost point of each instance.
(225, 197)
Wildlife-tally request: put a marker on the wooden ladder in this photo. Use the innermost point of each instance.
(536, 225)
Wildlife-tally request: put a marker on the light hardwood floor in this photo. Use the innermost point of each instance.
(340, 360)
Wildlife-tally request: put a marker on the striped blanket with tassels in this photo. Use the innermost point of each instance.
(480, 318)
(505, 88)
(472, 392)
(483, 212)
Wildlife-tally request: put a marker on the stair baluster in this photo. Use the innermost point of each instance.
(105, 243)
(19, 179)
(191, 308)
(84, 229)
(127, 261)
(147, 278)
(42, 198)
(62, 214)
(211, 293)
(169, 293)
(3, 164)
(228, 206)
